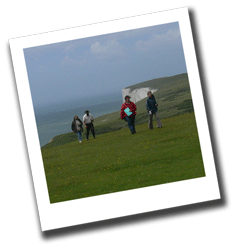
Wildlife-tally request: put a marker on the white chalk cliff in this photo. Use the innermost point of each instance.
(137, 94)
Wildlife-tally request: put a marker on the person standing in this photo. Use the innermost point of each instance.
(152, 110)
(88, 120)
(128, 113)
(76, 127)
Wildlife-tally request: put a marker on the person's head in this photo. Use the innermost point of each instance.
(149, 93)
(75, 117)
(127, 98)
(87, 112)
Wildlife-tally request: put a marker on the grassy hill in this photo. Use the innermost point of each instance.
(118, 161)
(173, 97)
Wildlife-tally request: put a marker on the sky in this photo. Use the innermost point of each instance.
(105, 64)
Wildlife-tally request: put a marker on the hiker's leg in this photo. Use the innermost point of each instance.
(93, 130)
(130, 125)
(132, 118)
(150, 121)
(79, 135)
(87, 135)
(159, 124)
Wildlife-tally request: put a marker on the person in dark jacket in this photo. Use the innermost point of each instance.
(152, 110)
(76, 127)
(128, 112)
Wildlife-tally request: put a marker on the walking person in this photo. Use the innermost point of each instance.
(128, 113)
(76, 127)
(88, 120)
(152, 110)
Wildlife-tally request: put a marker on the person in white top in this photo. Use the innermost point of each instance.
(88, 120)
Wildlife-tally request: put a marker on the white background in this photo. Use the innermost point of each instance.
(220, 30)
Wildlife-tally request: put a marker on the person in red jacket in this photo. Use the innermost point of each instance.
(128, 113)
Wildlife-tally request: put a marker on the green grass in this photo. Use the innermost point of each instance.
(118, 161)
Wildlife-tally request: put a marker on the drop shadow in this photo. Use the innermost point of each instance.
(166, 213)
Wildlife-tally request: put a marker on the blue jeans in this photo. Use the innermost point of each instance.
(79, 135)
(131, 122)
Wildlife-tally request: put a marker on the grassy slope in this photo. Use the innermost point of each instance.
(119, 161)
(173, 97)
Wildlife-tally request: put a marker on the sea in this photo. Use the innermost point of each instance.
(56, 119)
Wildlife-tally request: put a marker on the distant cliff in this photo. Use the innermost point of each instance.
(136, 94)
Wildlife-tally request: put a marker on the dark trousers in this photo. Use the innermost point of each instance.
(131, 122)
(88, 128)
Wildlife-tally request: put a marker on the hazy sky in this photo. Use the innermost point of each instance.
(103, 64)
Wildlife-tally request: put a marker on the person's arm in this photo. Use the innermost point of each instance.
(83, 119)
(147, 105)
(132, 107)
(156, 103)
(122, 113)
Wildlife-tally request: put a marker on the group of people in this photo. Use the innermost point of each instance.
(128, 113)
(87, 121)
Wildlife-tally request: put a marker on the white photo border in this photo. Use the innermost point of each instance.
(120, 204)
